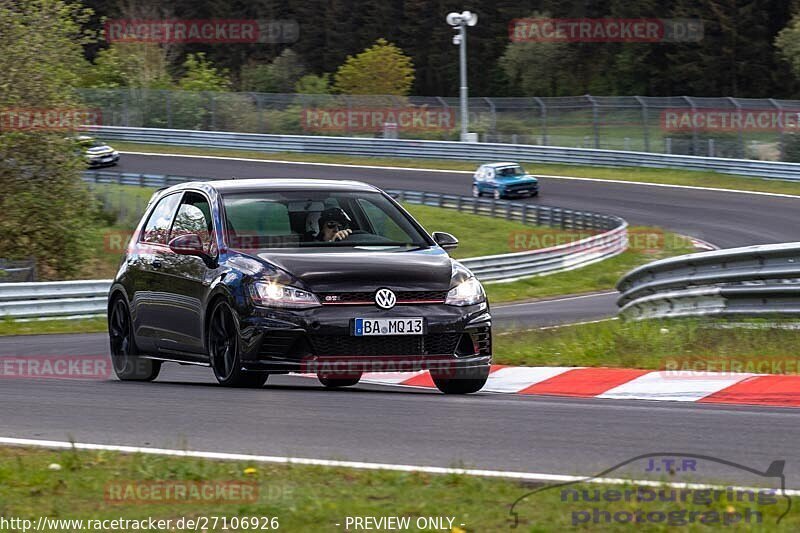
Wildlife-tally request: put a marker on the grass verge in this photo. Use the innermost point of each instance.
(37, 327)
(104, 486)
(751, 346)
(642, 175)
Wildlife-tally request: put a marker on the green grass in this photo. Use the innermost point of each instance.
(36, 327)
(653, 344)
(643, 175)
(306, 498)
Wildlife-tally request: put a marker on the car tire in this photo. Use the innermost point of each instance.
(223, 349)
(476, 192)
(464, 381)
(497, 194)
(331, 382)
(125, 359)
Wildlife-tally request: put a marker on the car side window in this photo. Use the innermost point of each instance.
(194, 216)
(489, 174)
(156, 230)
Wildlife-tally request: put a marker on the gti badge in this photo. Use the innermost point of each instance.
(385, 299)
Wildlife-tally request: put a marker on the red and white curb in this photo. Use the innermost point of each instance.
(624, 384)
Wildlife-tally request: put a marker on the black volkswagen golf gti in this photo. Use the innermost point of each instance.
(259, 277)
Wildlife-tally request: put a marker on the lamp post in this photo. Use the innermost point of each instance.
(460, 21)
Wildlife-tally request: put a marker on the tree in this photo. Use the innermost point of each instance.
(788, 44)
(279, 76)
(381, 69)
(46, 206)
(133, 65)
(311, 84)
(201, 75)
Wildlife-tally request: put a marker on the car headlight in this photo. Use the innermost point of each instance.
(468, 292)
(114, 152)
(273, 294)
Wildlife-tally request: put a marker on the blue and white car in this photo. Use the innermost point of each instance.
(503, 180)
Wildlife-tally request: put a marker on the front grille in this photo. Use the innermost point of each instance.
(517, 187)
(333, 298)
(431, 344)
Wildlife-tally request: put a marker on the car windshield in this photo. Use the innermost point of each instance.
(510, 171)
(90, 143)
(303, 219)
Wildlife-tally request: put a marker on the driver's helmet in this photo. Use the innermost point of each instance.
(334, 215)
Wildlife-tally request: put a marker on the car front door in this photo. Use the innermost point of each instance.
(145, 264)
(187, 279)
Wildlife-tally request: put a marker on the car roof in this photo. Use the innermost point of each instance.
(275, 184)
(499, 165)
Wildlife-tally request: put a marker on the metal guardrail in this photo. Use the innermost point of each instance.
(447, 150)
(79, 298)
(752, 281)
(612, 237)
(52, 299)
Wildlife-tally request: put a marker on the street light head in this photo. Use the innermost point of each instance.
(469, 18)
(454, 19)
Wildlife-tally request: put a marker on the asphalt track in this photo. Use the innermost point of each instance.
(294, 416)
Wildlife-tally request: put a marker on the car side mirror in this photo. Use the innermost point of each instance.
(191, 244)
(445, 240)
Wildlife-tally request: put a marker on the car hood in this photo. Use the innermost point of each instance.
(517, 179)
(351, 269)
(97, 150)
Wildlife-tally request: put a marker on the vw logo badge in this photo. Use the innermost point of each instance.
(385, 299)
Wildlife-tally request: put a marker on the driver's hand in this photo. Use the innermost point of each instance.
(341, 235)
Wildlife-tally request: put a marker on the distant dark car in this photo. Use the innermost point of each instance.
(242, 275)
(503, 180)
(96, 153)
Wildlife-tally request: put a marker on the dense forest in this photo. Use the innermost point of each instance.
(736, 57)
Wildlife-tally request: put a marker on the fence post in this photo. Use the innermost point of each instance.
(694, 126)
(742, 152)
(595, 119)
(213, 111)
(645, 131)
(781, 138)
(168, 104)
(543, 114)
(125, 107)
(493, 112)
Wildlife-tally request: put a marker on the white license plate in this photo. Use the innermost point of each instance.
(364, 327)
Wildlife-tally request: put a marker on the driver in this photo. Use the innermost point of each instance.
(334, 225)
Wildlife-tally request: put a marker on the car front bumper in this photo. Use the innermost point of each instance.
(321, 340)
(100, 161)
